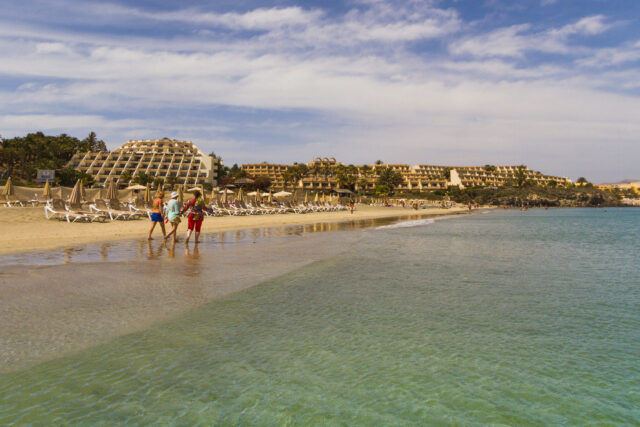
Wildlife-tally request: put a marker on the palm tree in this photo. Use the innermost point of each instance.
(171, 180)
(316, 169)
(125, 177)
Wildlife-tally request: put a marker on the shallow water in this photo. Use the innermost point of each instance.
(515, 318)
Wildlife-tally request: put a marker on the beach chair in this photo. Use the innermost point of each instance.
(236, 210)
(223, 208)
(92, 216)
(267, 209)
(116, 206)
(39, 199)
(100, 206)
(249, 209)
(139, 206)
(303, 207)
(212, 210)
(294, 209)
(259, 210)
(12, 202)
(56, 209)
(279, 209)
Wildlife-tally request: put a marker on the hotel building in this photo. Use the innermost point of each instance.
(160, 158)
(322, 175)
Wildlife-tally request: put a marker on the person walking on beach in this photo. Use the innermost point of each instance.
(196, 216)
(173, 216)
(156, 214)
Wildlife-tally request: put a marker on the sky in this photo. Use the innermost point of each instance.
(553, 84)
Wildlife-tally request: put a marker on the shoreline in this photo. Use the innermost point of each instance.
(24, 230)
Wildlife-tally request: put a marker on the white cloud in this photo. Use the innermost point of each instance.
(45, 48)
(606, 57)
(517, 40)
(589, 25)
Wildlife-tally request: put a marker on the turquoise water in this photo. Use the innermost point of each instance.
(507, 318)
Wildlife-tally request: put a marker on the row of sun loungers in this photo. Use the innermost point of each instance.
(247, 208)
(98, 211)
(101, 210)
(15, 202)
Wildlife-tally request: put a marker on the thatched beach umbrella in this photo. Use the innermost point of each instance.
(46, 191)
(180, 195)
(136, 187)
(83, 194)
(74, 198)
(8, 188)
(270, 197)
(224, 196)
(240, 195)
(147, 194)
(214, 196)
(112, 191)
(306, 198)
(317, 198)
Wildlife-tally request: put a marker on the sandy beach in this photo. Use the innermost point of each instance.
(26, 229)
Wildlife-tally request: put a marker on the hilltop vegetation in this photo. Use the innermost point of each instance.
(530, 195)
(21, 157)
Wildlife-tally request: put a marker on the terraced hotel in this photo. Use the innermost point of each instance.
(322, 175)
(160, 158)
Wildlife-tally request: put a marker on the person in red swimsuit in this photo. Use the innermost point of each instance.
(196, 204)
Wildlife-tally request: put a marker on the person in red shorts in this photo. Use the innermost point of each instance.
(195, 217)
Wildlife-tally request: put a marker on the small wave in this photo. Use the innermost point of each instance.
(405, 224)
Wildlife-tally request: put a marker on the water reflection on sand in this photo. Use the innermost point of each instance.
(127, 250)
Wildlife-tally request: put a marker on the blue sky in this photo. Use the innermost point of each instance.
(554, 84)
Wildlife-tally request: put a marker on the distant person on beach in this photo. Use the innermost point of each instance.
(156, 214)
(196, 216)
(173, 216)
(351, 205)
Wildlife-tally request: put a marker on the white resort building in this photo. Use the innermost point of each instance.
(160, 158)
(322, 175)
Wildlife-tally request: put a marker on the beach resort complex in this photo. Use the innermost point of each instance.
(160, 158)
(323, 174)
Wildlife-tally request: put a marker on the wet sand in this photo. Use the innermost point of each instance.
(56, 302)
(27, 229)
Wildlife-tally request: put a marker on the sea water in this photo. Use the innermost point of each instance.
(512, 318)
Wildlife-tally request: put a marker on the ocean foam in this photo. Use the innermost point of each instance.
(405, 224)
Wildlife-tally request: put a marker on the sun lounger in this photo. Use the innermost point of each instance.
(93, 216)
(139, 206)
(237, 210)
(223, 208)
(39, 199)
(268, 209)
(259, 210)
(100, 206)
(57, 210)
(13, 202)
(250, 209)
(294, 209)
(116, 206)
